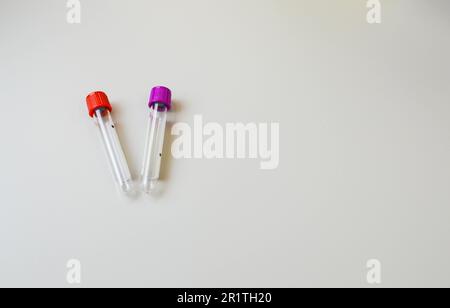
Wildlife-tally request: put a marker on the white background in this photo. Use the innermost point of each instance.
(365, 143)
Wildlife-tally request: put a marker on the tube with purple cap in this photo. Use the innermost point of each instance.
(159, 104)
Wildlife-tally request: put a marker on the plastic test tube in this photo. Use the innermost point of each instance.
(160, 103)
(100, 110)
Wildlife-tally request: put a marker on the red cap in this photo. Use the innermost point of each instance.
(97, 100)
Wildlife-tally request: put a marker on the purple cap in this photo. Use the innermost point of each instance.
(161, 95)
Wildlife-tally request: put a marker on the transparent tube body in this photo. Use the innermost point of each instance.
(114, 151)
(153, 148)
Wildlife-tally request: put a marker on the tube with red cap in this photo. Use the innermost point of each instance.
(160, 103)
(100, 110)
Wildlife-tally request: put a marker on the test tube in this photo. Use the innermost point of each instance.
(100, 110)
(160, 103)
